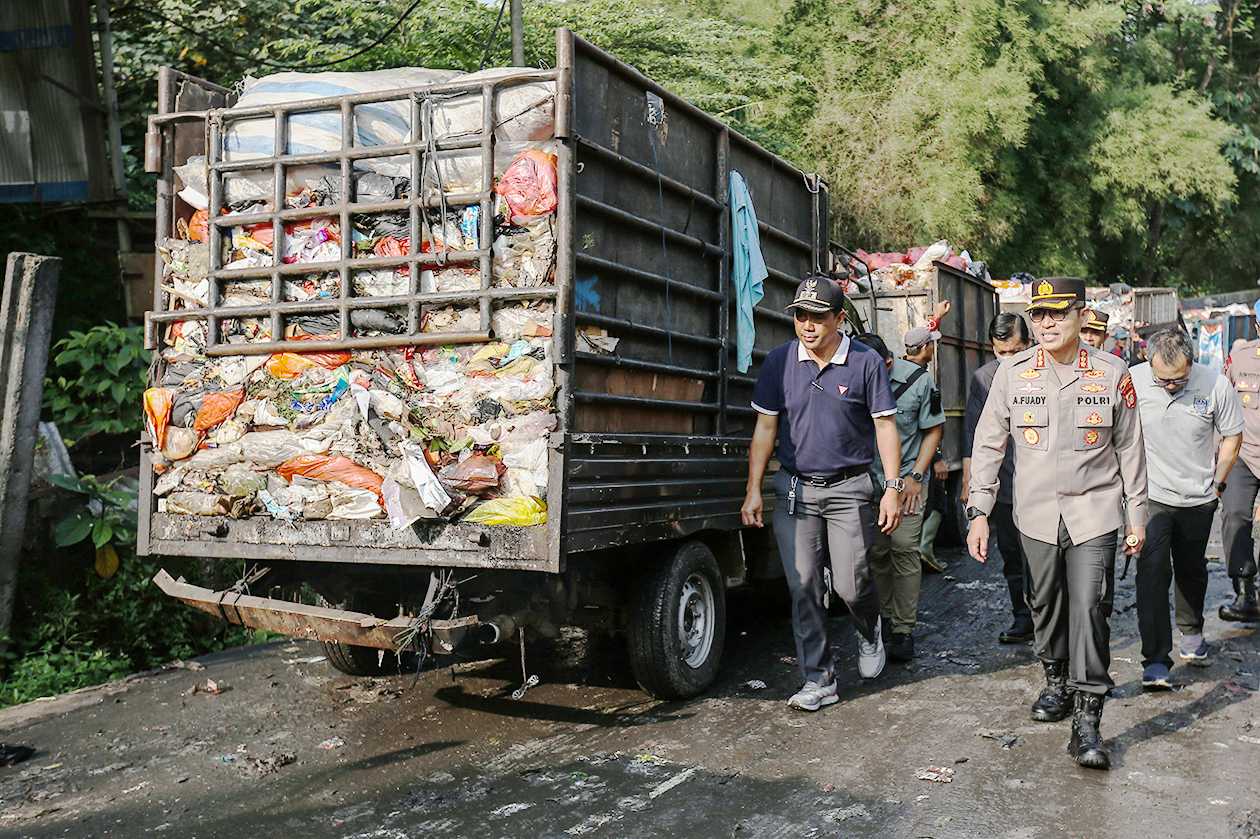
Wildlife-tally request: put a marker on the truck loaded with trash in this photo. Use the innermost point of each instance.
(465, 354)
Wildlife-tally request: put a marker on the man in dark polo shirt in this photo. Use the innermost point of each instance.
(823, 399)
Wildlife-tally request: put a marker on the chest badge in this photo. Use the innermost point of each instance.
(1201, 406)
(1092, 388)
(1094, 418)
(842, 389)
(1031, 437)
(1246, 399)
(1095, 374)
(1091, 437)
(1030, 374)
(1028, 416)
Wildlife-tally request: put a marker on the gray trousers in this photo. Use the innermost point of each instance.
(1237, 504)
(1072, 588)
(843, 516)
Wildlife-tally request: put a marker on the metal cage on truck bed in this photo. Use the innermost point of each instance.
(652, 438)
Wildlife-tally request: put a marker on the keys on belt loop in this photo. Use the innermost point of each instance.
(791, 496)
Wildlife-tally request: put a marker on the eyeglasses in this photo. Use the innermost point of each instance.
(1056, 315)
(1170, 382)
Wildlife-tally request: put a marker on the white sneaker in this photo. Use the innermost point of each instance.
(813, 696)
(871, 656)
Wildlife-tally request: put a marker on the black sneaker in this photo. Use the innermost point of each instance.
(901, 647)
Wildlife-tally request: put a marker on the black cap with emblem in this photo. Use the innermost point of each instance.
(1056, 293)
(818, 294)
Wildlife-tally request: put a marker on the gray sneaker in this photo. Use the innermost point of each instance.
(813, 696)
(871, 657)
(1200, 656)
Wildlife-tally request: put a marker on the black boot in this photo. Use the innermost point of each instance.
(1021, 631)
(1086, 746)
(1245, 607)
(1055, 701)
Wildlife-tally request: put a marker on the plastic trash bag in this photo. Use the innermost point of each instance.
(287, 365)
(323, 467)
(180, 443)
(529, 186)
(517, 512)
(239, 481)
(197, 504)
(422, 477)
(474, 475)
(350, 502)
(269, 449)
(157, 412)
(266, 415)
(216, 407)
(216, 457)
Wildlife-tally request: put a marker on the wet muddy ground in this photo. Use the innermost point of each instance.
(290, 747)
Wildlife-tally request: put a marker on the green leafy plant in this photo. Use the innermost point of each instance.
(97, 385)
(107, 513)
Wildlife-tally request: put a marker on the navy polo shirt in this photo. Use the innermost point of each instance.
(826, 416)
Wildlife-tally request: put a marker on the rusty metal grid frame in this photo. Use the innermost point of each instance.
(417, 149)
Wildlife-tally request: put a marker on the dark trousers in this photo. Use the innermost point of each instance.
(1176, 538)
(836, 522)
(1014, 566)
(1073, 587)
(1237, 505)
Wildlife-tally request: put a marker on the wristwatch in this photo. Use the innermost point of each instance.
(1220, 487)
(896, 484)
(918, 477)
(974, 513)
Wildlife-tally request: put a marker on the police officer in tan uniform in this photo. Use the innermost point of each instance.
(1071, 413)
(1238, 500)
(1094, 332)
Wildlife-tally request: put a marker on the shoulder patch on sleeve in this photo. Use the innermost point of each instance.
(934, 404)
(1127, 391)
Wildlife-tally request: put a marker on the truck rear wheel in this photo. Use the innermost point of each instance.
(678, 624)
(360, 661)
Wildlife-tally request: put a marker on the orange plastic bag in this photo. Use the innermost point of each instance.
(199, 226)
(327, 360)
(288, 365)
(157, 412)
(529, 185)
(322, 467)
(218, 406)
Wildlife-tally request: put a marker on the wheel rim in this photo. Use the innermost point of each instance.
(695, 620)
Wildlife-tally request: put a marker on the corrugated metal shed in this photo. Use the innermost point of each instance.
(52, 146)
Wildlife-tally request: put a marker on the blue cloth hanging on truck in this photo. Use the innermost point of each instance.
(749, 270)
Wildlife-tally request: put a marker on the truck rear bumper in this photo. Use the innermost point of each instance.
(319, 623)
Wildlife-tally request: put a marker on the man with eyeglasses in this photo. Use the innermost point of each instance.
(1072, 412)
(1009, 334)
(1238, 503)
(1184, 406)
(824, 408)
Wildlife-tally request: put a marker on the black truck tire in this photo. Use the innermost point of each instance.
(360, 661)
(677, 624)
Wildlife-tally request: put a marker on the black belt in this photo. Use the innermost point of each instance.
(832, 479)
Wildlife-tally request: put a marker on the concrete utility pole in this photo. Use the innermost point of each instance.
(518, 33)
(26, 312)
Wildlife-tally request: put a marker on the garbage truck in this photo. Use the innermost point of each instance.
(456, 354)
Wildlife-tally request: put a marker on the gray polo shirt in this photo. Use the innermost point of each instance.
(1181, 433)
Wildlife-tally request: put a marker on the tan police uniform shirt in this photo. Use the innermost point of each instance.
(1078, 445)
(1243, 371)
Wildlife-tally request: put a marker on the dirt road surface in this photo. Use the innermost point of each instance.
(289, 747)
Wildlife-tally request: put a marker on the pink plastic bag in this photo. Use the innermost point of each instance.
(529, 185)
